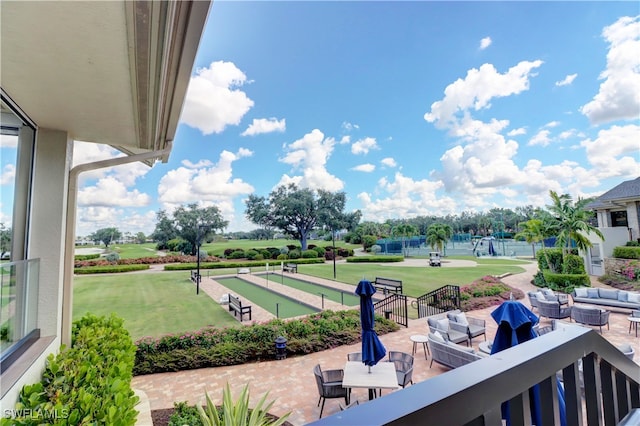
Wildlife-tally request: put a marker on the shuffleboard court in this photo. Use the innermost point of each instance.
(339, 296)
(278, 304)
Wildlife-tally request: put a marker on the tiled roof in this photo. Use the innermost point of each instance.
(624, 191)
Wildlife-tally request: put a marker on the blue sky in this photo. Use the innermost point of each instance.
(411, 108)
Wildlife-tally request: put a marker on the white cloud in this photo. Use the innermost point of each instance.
(310, 155)
(8, 141)
(363, 146)
(477, 90)
(567, 80)
(345, 140)
(265, 125)
(614, 152)
(200, 164)
(367, 168)
(389, 162)
(90, 219)
(485, 42)
(619, 94)
(8, 174)
(349, 126)
(88, 152)
(206, 186)
(570, 134)
(541, 138)
(110, 192)
(517, 132)
(213, 101)
(552, 124)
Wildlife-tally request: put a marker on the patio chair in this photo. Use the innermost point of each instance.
(330, 385)
(473, 327)
(553, 310)
(542, 330)
(354, 356)
(404, 367)
(627, 349)
(441, 324)
(590, 316)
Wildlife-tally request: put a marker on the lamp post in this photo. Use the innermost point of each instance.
(198, 242)
(333, 239)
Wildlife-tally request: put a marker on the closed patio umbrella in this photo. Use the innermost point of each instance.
(515, 325)
(492, 250)
(372, 349)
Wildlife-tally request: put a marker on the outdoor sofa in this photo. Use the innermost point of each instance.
(607, 297)
(590, 315)
(450, 354)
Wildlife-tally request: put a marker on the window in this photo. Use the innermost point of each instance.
(619, 218)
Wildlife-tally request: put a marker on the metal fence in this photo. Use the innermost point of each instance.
(394, 307)
(440, 300)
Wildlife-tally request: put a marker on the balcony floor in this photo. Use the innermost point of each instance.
(290, 382)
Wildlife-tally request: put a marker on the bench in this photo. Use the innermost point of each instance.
(290, 267)
(195, 277)
(387, 285)
(235, 305)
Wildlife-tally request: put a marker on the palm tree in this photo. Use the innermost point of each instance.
(438, 234)
(405, 231)
(532, 233)
(572, 222)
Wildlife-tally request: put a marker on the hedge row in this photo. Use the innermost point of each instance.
(89, 383)
(565, 282)
(245, 264)
(626, 252)
(86, 256)
(375, 259)
(109, 269)
(211, 347)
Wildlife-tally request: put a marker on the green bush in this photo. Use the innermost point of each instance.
(368, 241)
(86, 256)
(251, 254)
(184, 414)
(213, 347)
(626, 252)
(112, 257)
(241, 264)
(633, 244)
(294, 254)
(237, 254)
(109, 269)
(266, 254)
(309, 254)
(555, 258)
(573, 264)
(565, 282)
(375, 259)
(320, 250)
(88, 383)
(282, 256)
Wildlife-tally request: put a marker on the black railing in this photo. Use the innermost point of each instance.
(394, 307)
(438, 301)
(601, 392)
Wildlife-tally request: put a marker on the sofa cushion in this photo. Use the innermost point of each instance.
(633, 297)
(592, 293)
(437, 337)
(608, 293)
(623, 296)
(461, 318)
(539, 295)
(581, 292)
(462, 348)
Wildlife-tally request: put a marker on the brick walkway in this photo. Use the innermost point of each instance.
(290, 382)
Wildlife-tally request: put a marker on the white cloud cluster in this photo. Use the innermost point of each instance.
(485, 42)
(615, 151)
(265, 125)
(541, 138)
(8, 141)
(8, 174)
(207, 185)
(213, 101)
(88, 152)
(310, 155)
(110, 191)
(367, 168)
(349, 126)
(619, 94)
(477, 90)
(389, 162)
(363, 146)
(567, 80)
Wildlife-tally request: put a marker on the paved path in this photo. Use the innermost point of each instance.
(290, 382)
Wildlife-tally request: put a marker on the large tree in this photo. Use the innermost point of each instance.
(195, 223)
(106, 236)
(437, 235)
(5, 239)
(164, 231)
(297, 211)
(533, 232)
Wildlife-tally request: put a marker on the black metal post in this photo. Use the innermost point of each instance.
(198, 261)
(333, 238)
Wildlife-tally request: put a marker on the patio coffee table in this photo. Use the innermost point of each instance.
(382, 376)
(485, 347)
(420, 338)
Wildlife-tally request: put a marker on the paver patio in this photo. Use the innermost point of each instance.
(290, 381)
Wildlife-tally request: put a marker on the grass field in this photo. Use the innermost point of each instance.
(134, 251)
(151, 304)
(349, 299)
(218, 247)
(281, 306)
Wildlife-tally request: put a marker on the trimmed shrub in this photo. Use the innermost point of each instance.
(109, 269)
(573, 264)
(626, 252)
(86, 256)
(375, 259)
(555, 258)
(320, 250)
(368, 241)
(633, 244)
(222, 265)
(282, 256)
(309, 254)
(266, 254)
(237, 254)
(294, 254)
(486, 291)
(112, 257)
(90, 382)
(566, 282)
(328, 255)
(251, 254)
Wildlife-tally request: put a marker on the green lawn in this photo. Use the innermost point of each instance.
(135, 251)
(151, 304)
(416, 281)
(349, 299)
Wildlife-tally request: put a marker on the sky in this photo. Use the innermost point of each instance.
(410, 108)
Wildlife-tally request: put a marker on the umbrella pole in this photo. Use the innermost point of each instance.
(369, 369)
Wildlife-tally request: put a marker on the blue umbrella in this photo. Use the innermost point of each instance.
(515, 325)
(492, 251)
(372, 349)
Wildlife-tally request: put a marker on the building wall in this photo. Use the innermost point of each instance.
(53, 155)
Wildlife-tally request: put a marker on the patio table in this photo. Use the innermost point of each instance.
(382, 376)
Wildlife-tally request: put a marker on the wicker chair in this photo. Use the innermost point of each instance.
(553, 310)
(330, 385)
(590, 316)
(452, 334)
(474, 327)
(404, 367)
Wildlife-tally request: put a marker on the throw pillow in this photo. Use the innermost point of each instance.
(539, 295)
(592, 293)
(461, 318)
(633, 297)
(623, 296)
(437, 337)
(443, 324)
(548, 292)
(607, 293)
(581, 292)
